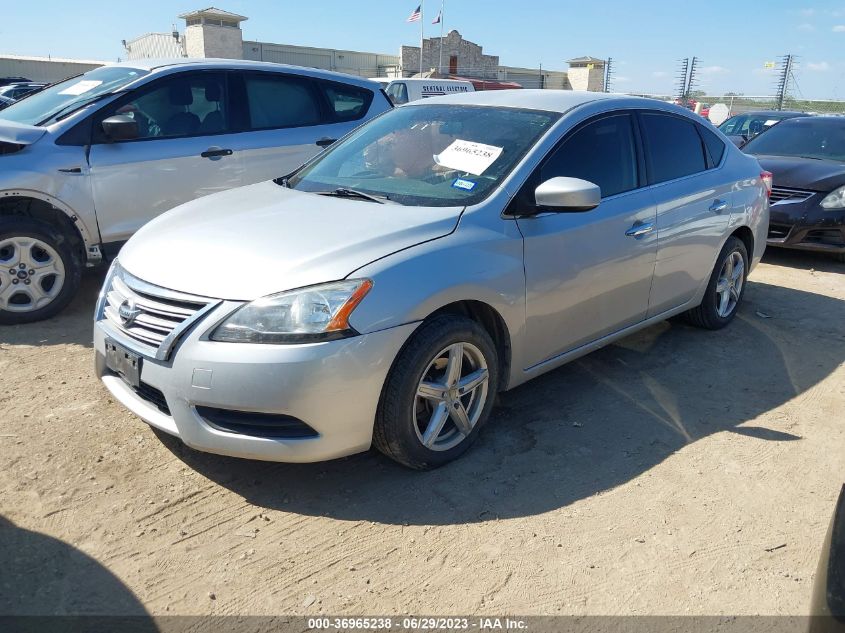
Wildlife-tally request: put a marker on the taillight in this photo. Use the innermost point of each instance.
(766, 177)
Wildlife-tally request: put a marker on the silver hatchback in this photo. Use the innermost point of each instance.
(447, 250)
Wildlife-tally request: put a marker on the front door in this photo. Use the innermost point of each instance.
(184, 150)
(588, 273)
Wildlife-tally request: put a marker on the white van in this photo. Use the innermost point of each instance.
(404, 90)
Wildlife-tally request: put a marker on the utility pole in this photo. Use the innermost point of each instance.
(608, 73)
(786, 65)
(683, 71)
(691, 80)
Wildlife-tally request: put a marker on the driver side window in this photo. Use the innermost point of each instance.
(603, 152)
(186, 105)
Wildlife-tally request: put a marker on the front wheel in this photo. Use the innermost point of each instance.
(725, 289)
(39, 270)
(438, 394)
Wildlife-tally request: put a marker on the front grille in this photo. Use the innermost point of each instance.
(269, 425)
(155, 317)
(785, 194)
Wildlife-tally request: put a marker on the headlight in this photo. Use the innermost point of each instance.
(835, 199)
(317, 313)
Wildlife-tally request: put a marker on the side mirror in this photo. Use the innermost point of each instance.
(120, 127)
(567, 194)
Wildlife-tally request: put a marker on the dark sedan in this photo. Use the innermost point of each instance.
(828, 609)
(807, 159)
(741, 128)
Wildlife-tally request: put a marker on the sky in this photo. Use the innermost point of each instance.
(734, 40)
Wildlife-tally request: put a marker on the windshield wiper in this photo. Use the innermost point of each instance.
(70, 108)
(343, 192)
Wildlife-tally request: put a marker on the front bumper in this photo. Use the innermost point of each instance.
(807, 226)
(333, 387)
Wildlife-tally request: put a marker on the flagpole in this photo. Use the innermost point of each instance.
(442, 15)
(422, 27)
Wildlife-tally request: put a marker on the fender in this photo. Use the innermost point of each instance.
(92, 247)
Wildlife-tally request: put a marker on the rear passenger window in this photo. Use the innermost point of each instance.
(714, 145)
(278, 101)
(602, 152)
(673, 147)
(347, 103)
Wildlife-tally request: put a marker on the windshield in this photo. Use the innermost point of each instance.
(810, 137)
(428, 155)
(749, 123)
(62, 98)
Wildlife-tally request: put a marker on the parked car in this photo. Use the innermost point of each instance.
(11, 80)
(5, 102)
(828, 606)
(404, 90)
(449, 249)
(19, 90)
(87, 162)
(743, 127)
(807, 159)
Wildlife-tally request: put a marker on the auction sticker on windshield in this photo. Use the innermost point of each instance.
(468, 156)
(81, 87)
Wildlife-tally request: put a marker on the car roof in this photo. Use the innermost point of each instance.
(431, 80)
(772, 113)
(153, 65)
(537, 99)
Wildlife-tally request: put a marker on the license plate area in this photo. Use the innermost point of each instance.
(124, 363)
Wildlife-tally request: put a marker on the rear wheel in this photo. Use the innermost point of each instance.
(39, 270)
(725, 289)
(439, 393)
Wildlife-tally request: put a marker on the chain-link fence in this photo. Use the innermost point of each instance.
(737, 104)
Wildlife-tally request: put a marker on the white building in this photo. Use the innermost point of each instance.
(212, 32)
(45, 69)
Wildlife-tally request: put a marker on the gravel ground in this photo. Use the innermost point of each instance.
(678, 471)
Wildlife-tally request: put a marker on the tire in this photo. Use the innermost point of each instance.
(42, 256)
(403, 416)
(839, 257)
(711, 314)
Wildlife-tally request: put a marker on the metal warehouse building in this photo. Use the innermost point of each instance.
(44, 69)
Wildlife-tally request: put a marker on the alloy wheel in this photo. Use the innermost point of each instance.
(451, 396)
(31, 274)
(729, 285)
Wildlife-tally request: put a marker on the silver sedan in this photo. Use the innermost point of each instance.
(447, 250)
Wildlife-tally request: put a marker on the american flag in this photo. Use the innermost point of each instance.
(438, 18)
(416, 15)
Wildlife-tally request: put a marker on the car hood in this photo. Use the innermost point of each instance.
(18, 133)
(804, 173)
(253, 241)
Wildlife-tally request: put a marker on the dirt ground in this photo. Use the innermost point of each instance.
(679, 471)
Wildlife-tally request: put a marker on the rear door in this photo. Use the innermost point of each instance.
(287, 119)
(588, 273)
(693, 197)
(184, 150)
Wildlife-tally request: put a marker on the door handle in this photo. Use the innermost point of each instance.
(216, 152)
(325, 142)
(718, 206)
(638, 230)
(71, 170)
